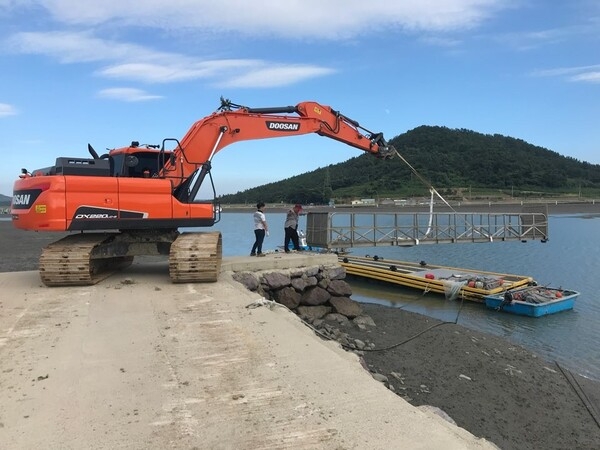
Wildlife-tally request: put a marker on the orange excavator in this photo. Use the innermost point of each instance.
(132, 200)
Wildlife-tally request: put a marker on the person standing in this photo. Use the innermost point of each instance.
(291, 228)
(260, 229)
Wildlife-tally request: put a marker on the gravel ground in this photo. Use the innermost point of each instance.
(494, 389)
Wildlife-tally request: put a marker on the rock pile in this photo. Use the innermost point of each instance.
(319, 295)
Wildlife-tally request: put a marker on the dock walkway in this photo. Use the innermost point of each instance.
(139, 363)
(341, 230)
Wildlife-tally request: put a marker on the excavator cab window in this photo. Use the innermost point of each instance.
(136, 165)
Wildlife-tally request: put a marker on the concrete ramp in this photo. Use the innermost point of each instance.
(138, 362)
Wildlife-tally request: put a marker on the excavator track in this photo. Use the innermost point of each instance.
(71, 261)
(195, 257)
(87, 258)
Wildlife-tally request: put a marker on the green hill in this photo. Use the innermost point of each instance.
(456, 162)
(5, 200)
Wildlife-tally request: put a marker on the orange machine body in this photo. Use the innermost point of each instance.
(84, 196)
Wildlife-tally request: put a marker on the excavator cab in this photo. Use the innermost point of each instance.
(137, 161)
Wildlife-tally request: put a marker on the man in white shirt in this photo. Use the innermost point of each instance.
(260, 229)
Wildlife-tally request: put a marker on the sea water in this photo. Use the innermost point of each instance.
(570, 259)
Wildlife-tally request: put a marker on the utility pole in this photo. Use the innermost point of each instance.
(327, 191)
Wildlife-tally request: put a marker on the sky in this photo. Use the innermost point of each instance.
(107, 73)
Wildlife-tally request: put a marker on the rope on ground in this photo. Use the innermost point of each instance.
(580, 393)
(405, 341)
(410, 302)
(264, 302)
(444, 322)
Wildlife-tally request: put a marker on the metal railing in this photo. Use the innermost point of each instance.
(341, 230)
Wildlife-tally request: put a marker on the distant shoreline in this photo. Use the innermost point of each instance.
(583, 207)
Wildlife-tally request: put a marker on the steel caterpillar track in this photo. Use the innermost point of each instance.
(68, 262)
(86, 259)
(195, 257)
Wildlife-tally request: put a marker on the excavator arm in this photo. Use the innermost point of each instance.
(233, 123)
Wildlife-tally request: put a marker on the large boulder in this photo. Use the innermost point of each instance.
(314, 296)
(248, 279)
(287, 296)
(300, 284)
(337, 273)
(276, 280)
(336, 317)
(363, 321)
(312, 313)
(323, 282)
(339, 288)
(346, 307)
(312, 271)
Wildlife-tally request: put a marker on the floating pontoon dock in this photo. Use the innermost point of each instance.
(339, 231)
(450, 281)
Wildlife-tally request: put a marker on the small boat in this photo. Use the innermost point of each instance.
(534, 301)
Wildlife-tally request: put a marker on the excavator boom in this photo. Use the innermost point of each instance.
(233, 123)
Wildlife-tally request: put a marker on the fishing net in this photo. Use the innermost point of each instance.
(452, 288)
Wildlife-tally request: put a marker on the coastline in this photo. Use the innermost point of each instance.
(553, 207)
(489, 386)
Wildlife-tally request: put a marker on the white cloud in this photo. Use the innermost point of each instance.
(331, 19)
(276, 76)
(530, 40)
(127, 95)
(582, 74)
(151, 73)
(293, 20)
(7, 110)
(587, 77)
(177, 69)
(137, 63)
(71, 47)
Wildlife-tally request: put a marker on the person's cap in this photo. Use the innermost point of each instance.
(298, 205)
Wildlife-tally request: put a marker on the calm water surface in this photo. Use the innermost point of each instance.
(571, 259)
